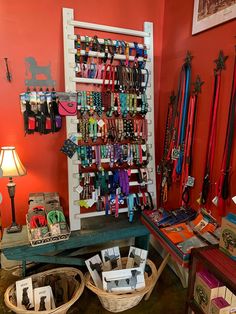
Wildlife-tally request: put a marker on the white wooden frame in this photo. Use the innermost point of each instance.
(69, 25)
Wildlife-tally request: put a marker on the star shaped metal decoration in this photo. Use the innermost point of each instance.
(198, 85)
(220, 62)
(188, 57)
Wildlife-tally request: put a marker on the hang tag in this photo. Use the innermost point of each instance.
(23, 98)
(175, 153)
(90, 202)
(94, 196)
(79, 189)
(190, 181)
(33, 98)
(215, 200)
(101, 123)
(49, 97)
(144, 148)
(118, 191)
(199, 200)
(163, 182)
(234, 199)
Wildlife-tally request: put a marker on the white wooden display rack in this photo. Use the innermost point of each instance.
(71, 81)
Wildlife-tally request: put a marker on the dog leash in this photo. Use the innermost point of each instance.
(187, 179)
(223, 182)
(187, 72)
(220, 65)
(182, 107)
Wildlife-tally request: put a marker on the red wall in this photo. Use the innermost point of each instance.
(34, 28)
(204, 46)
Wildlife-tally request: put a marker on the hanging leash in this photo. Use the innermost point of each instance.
(220, 65)
(223, 182)
(182, 105)
(187, 71)
(165, 167)
(187, 179)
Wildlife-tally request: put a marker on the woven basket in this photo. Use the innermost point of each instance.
(10, 294)
(117, 302)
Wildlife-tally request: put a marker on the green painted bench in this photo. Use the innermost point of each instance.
(98, 231)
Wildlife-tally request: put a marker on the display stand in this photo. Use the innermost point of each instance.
(216, 262)
(71, 85)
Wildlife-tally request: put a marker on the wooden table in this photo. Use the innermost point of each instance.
(180, 261)
(99, 230)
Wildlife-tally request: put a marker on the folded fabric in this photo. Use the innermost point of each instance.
(178, 233)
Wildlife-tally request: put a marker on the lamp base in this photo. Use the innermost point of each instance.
(14, 228)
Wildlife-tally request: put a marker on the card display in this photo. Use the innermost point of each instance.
(24, 294)
(136, 258)
(42, 298)
(111, 258)
(123, 280)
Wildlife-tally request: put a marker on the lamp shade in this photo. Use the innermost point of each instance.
(10, 163)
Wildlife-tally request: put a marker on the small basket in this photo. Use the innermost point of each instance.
(117, 302)
(48, 238)
(10, 294)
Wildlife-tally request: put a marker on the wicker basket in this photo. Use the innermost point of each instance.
(117, 302)
(10, 294)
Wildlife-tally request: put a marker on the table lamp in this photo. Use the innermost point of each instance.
(11, 167)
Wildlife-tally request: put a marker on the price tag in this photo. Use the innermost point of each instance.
(101, 123)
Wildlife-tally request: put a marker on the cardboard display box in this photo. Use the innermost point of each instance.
(228, 235)
(206, 288)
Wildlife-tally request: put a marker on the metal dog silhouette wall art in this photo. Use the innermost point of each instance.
(37, 72)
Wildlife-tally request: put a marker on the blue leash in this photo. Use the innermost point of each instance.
(184, 117)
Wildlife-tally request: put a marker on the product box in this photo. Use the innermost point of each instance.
(228, 235)
(206, 288)
(24, 294)
(42, 298)
(231, 299)
(36, 199)
(123, 280)
(219, 306)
